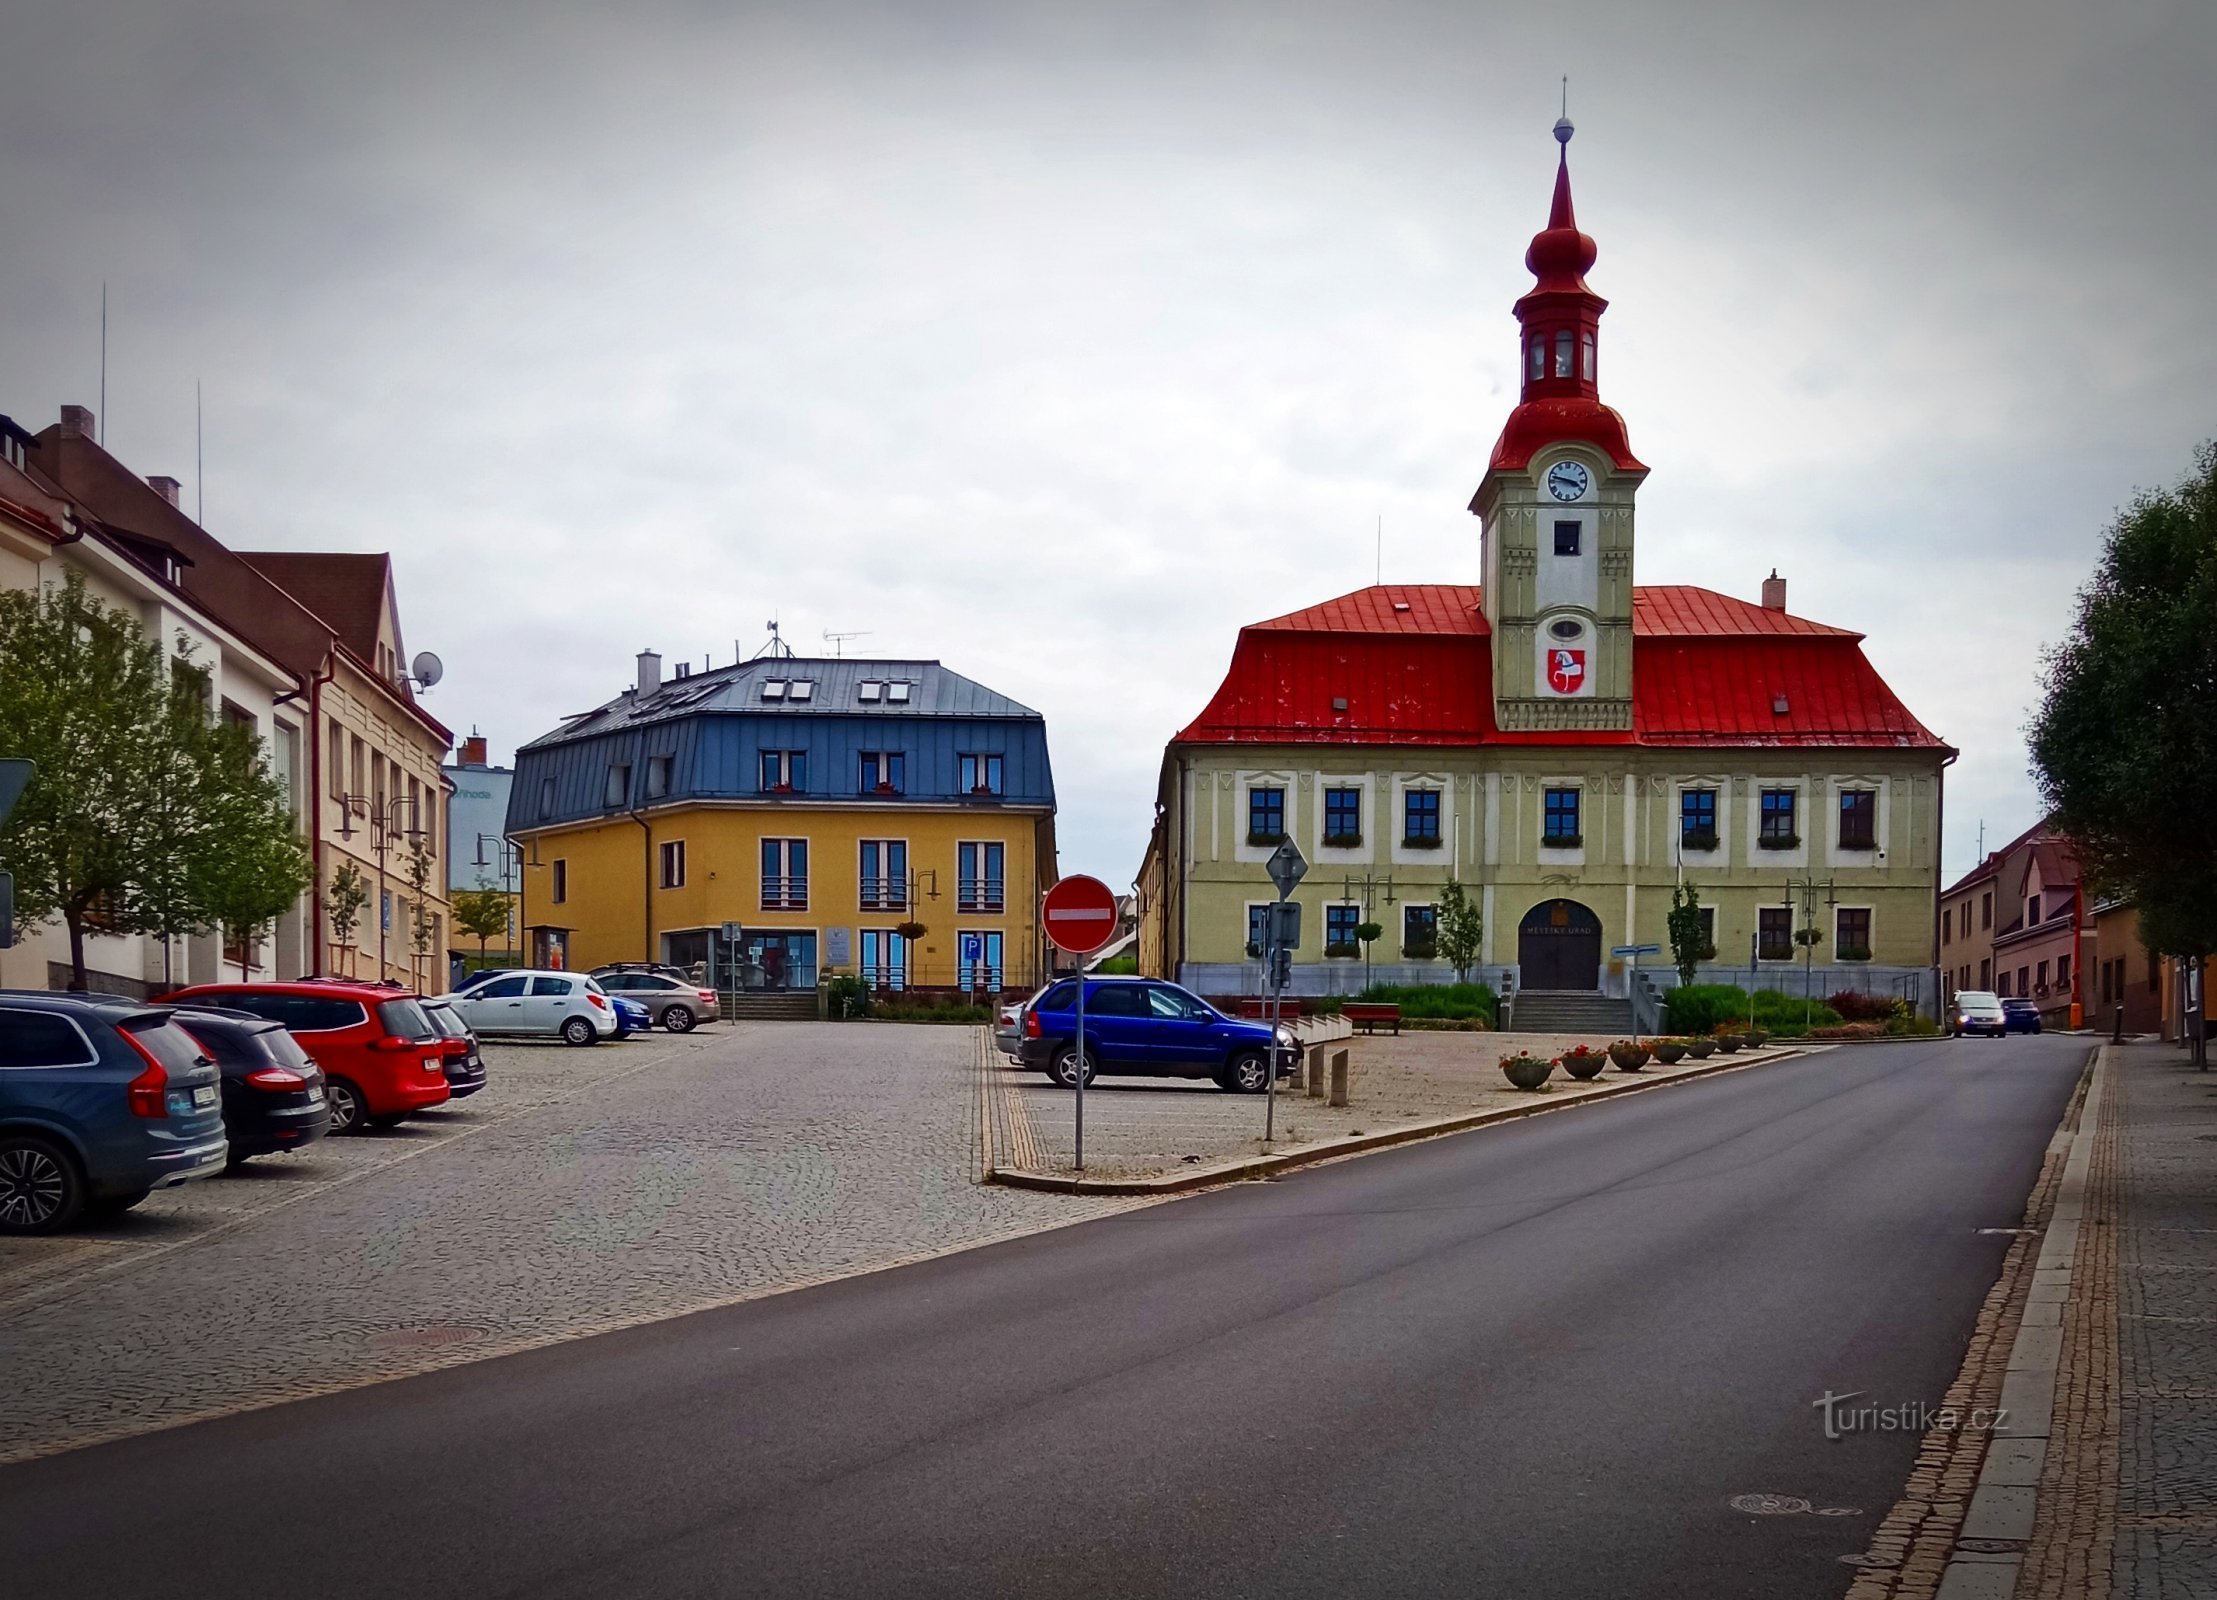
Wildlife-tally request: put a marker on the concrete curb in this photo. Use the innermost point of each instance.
(2005, 1502)
(1331, 1149)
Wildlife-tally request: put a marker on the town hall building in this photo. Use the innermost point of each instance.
(1565, 744)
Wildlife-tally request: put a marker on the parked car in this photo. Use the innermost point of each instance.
(2020, 1015)
(483, 975)
(1146, 1028)
(677, 1003)
(657, 968)
(102, 1101)
(631, 1016)
(464, 1062)
(1008, 1024)
(1978, 1011)
(562, 1004)
(383, 1059)
(273, 1095)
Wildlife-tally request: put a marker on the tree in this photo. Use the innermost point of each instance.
(421, 924)
(342, 905)
(2124, 745)
(148, 816)
(1462, 930)
(1689, 945)
(483, 911)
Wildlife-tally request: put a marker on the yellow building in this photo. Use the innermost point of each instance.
(783, 818)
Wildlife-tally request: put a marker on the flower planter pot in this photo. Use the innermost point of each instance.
(1428, 842)
(1701, 1049)
(1727, 1043)
(1628, 1057)
(1755, 1039)
(1669, 1052)
(1526, 1072)
(1586, 1065)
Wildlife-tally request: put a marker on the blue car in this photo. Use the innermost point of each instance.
(102, 1101)
(631, 1016)
(1142, 1027)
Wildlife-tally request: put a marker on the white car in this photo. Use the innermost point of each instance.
(564, 1004)
(1977, 1011)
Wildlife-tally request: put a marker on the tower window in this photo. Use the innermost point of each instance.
(1586, 353)
(1566, 538)
(1562, 354)
(1539, 357)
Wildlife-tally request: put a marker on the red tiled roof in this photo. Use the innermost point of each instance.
(1707, 670)
(346, 590)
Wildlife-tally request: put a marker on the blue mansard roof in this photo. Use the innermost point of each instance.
(702, 737)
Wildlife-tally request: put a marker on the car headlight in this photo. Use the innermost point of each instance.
(1287, 1037)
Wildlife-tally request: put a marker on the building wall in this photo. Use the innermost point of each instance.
(1491, 823)
(387, 765)
(2121, 974)
(613, 880)
(477, 823)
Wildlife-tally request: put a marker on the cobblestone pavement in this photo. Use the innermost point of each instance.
(1138, 1127)
(583, 1190)
(2164, 1195)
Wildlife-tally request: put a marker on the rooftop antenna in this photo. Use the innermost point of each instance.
(1563, 128)
(838, 641)
(1381, 573)
(100, 423)
(199, 463)
(775, 646)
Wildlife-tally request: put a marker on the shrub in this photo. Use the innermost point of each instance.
(1457, 1000)
(1700, 1007)
(846, 996)
(928, 1011)
(1850, 1030)
(1790, 1016)
(1857, 1007)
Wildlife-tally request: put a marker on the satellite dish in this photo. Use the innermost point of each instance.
(427, 669)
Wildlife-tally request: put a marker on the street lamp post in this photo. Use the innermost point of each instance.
(1809, 935)
(511, 865)
(384, 818)
(1371, 885)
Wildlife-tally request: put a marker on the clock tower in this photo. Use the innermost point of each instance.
(1555, 507)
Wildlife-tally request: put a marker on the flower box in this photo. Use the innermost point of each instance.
(1342, 951)
(1420, 952)
(1700, 839)
(1526, 1072)
(1854, 953)
(1670, 1051)
(1259, 840)
(1701, 1049)
(1779, 841)
(1420, 841)
(1562, 841)
(1629, 1056)
(1343, 841)
(1584, 1062)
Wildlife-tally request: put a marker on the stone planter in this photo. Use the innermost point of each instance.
(1628, 1057)
(1669, 1052)
(1755, 1040)
(1701, 1049)
(1583, 1067)
(1526, 1072)
(1727, 1043)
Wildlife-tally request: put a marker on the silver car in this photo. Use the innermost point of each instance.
(677, 1004)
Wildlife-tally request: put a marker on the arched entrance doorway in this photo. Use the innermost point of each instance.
(1558, 946)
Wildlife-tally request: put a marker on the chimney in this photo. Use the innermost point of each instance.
(77, 420)
(165, 486)
(473, 750)
(1774, 592)
(650, 671)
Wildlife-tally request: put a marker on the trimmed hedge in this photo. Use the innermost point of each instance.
(1459, 1001)
(1698, 1008)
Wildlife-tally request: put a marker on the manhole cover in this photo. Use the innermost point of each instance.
(1770, 1505)
(1990, 1547)
(424, 1338)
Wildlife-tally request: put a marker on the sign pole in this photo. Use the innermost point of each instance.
(1079, 915)
(1079, 1143)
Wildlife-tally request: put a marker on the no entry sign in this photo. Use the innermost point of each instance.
(1080, 914)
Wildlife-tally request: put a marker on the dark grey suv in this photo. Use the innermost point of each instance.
(102, 1101)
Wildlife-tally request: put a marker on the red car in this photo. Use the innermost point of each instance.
(383, 1059)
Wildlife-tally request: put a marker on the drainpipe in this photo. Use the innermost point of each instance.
(316, 682)
(1939, 879)
(2078, 949)
(646, 883)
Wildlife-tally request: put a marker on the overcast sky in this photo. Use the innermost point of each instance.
(1056, 341)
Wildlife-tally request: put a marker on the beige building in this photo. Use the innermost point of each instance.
(340, 714)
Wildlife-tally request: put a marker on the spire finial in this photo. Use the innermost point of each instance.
(1563, 128)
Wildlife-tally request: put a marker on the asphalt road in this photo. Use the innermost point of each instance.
(1537, 1360)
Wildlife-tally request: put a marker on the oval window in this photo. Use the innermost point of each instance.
(1565, 629)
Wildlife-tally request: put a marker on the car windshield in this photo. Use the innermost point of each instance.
(1975, 997)
(281, 1047)
(167, 1043)
(405, 1019)
(444, 1019)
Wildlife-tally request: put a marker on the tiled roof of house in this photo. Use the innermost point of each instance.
(1410, 664)
(346, 590)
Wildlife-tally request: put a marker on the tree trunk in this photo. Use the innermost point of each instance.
(74, 920)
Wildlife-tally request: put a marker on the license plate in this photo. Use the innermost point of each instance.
(204, 1096)
(315, 1097)
(433, 1064)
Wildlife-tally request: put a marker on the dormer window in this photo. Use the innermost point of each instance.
(803, 689)
(774, 688)
(869, 691)
(1562, 354)
(898, 693)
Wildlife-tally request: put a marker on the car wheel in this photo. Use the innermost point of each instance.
(677, 1019)
(579, 1030)
(1246, 1074)
(1064, 1068)
(40, 1190)
(347, 1111)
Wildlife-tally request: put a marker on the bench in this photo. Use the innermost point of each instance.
(1370, 1016)
(1256, 1010)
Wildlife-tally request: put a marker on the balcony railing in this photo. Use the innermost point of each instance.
(981, 894)
(785, 894)
(884, 894)
(884, 976)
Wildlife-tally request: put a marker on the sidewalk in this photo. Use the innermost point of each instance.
(2101, 1340)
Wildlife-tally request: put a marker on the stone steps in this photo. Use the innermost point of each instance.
(1570, 1011)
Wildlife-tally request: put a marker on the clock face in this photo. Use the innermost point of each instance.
(1568, 480)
